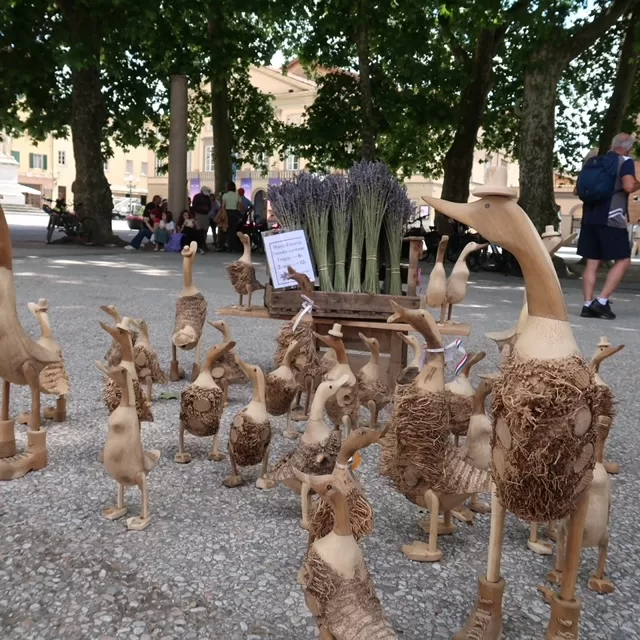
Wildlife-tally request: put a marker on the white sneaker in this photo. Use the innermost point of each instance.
(130, 248)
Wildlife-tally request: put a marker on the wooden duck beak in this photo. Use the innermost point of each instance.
(190, 250)
(244, 238)
(328, 340)
(250, 370)
(221, 326)
(111, 330)
(372, 343)
(302, 280)
(359, 439)
(604, 353)
(472, 361)
(117, 374)
(216, 352)
(421, 320)
(112, 311)
(320, 484)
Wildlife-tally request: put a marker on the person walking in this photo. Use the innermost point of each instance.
(230, 204)
(149, 214)
(201, 206)
(604, 185)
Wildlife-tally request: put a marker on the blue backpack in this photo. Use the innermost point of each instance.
(597, 180)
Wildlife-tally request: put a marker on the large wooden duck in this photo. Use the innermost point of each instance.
(457, 282)
(191, 312)
(201, 406)
(371, 388)
(419, 457)
(337, 586)
(544, 426)
(21, 362)
(345, 401)
(123, 456)
(317, 448)
(436, 294)
(226, 367)
(53, 378)
(242, 273)
(250, 433)
(112, 391)
(596, 527)
(605, 400)
(281, 389)
(460, 394)
(146, 359)
(114, 355)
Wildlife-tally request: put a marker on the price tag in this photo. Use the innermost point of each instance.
(284, 250)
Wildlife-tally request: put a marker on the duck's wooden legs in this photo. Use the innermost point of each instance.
(456, 440)
(449, 312)
(290, 433)
(461, 515)
(348, 426)
(555, 576)
(611, 467)
(478, 506)
(113, 513)
(181, 457)
(250, 293)
(195, 370)
(565, 607)
(142, 522)
(598, 582)
(7, 427)
(216, 455)
(296, 403)
(235, 479)
(541, 548)
(33, 381)
(496, 538)
(60, 414)
(443, 312)
(263, 482)
(552, 531)
(174, 372)
(421, 551)
(224, 385)
(305, 501)
(446, 526)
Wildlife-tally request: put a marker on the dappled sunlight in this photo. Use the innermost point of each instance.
(627, 329)
(498, 287)
(462, 305)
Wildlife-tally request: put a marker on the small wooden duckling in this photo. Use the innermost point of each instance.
(338, 588)
(281, 389)
(201, 406)
(114, 355)
(345, 402)
(242, 273)
(122, 333)
(227, 367)
(317, 448)
(596, 526)
(146, 359)
(605, 402)
(436, 295)
(250, 434)
(460, 394)
(457, 282)
(53, 378)
(371, 388)
(191, 312)
(123, 455)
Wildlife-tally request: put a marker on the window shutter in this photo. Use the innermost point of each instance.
(44, 162)
(31, 161)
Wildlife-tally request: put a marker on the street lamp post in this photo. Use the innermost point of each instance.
(130, 182)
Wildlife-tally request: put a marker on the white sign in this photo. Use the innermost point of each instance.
(288, 249)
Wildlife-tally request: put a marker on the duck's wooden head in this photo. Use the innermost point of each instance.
(112, 311)
(329, 388)
(359, 439)
(40, 312)
(291, 352)
(306, 286)
(222, 327)
(482, 391)
(473, 360)
(119, 374)
(602, 353)
(121, 333)
(372, 344)
(216, 352)
(469, 248)
(335, 343)
(142, 325)
(256, 375)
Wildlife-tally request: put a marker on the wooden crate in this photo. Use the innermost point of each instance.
(361, 306)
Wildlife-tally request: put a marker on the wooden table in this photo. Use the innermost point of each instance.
(386, 334)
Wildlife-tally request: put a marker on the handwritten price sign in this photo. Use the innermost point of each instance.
(288, 249)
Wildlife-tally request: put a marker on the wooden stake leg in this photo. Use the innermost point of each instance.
(573, 549)
(290, 432)
(446, 527)
(224, 385)
(142, 522)
(235, 479)
(250, 293)
(496, 538)
(420, 551)
(6, 393)
(305, 503)
(262, 482)
(449, 313)
(195, 370)
(541, 548)
(33, 381)
(216, 455)
(181, 457)
(174, 373)
(598, 582)
(113, 513)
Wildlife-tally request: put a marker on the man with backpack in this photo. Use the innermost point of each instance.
(604, 185)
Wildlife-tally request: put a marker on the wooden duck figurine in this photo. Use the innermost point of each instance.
(460, 396)
(122, 334)
(345, 402)
(21, 361)
(423, 463)
(409, 373)
(191, 312)
(317, 448)
(307, 365)
(360, 511)
(371, 388)
(544, 434)
(337, 586)
(457, 282)
(436, 295)
(596, 528)
(123, 456)
(250, 433)
(281, 388)
(201, 406)
(146, 359)
(53, 378)
(242, 273)
(605, 399)
(227, 367)
(114, 355)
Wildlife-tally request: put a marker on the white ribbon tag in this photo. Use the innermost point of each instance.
(307, 306)
(449, 354)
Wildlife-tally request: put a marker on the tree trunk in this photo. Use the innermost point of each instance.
(220, 121)
(625, 76)
(458, 161)
(364, 81)
(537, 196)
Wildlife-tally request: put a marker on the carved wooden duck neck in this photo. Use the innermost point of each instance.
(256, 375)
(246, 248)
(188, 256)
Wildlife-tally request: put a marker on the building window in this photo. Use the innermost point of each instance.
(189, 159)
(129, 167)
(161, 168)
(208, 158)
(37, 161)
(144, 168)
(16, 156)
(62, 158)
(292, 163)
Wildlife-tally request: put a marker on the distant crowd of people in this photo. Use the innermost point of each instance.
(225, 214)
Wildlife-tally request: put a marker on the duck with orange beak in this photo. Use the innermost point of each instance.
(544, 425)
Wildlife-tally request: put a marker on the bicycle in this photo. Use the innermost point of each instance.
(72, 224)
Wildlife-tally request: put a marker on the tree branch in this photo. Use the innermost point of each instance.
(458, 50)
(510, 16)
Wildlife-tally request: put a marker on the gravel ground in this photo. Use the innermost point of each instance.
(221, 563)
